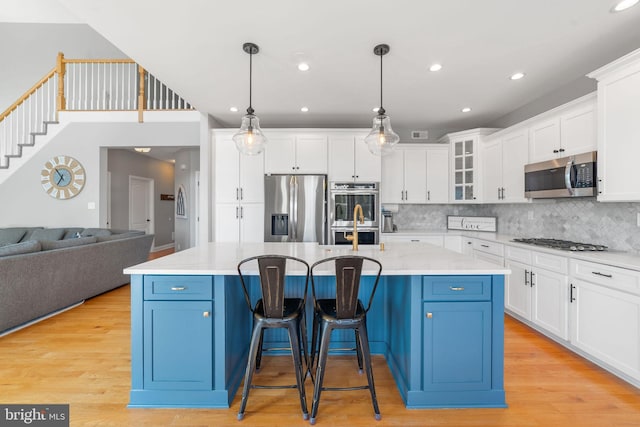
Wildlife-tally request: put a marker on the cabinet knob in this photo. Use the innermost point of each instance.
(429, 315)
(206, 314)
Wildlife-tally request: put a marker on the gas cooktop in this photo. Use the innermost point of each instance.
(564, 245)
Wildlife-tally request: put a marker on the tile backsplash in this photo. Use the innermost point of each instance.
(584, 219)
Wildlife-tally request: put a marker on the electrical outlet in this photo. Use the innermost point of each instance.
(530, 215)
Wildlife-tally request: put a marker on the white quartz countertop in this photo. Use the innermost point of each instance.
(397, 259)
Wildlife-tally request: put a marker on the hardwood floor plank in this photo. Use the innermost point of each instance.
(82, 357)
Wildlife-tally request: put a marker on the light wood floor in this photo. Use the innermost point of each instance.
(82, 357)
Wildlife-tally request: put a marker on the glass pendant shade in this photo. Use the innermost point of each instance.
(249, 139)
(382, 138)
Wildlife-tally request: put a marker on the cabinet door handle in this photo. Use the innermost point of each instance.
(237, 193)
(456, 288)
(241, 212)
(485, 246)
(206, 314)
(531, 276)
(502, 193)
(555, 151)
(526, 277)
(561, 150)
(241, 196)
(429, 315)
(571, 297)
(406, 194)
(597, 273)
(178, 288)
(237, 213)
(428, 195)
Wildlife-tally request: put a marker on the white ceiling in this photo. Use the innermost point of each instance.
(196, 48)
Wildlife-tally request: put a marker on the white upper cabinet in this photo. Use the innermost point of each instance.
(415, 173)
(618, 128)
(545, 140)
(503, 159)
(464, 178)
(291, 152)
(351, 160)
(567, 130)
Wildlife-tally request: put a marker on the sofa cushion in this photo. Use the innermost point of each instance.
(29, 232)
(48, 234)
(9, 236)
(20, 248)
(48, 245)
(117, 236)
(90, 232)
(72, 233)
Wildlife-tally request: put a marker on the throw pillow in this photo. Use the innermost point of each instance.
(48, 234)
(89, 232)
(9, 236)
(20, 248)
(48, 245)
(72, 233)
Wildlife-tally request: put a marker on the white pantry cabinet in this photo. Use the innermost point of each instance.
(503, 158)
(351, 160)
(618, 128)
(564, 131)
(296, 152)
(239, 191)
(605, 314)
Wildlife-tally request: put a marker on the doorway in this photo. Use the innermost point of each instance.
(141, 204)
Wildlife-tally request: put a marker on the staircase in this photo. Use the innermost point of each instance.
(80, 85)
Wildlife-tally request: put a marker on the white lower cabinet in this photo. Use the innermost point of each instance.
(489, 251)
(605, 315)
(437, 240)
(536, 289)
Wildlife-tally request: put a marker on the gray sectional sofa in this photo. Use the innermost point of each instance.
(44, 270)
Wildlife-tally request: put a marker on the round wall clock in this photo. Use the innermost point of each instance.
(62, 177)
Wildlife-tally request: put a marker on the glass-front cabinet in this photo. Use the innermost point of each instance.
(464, 172)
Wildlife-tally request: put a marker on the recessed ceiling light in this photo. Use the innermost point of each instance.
(233, 109)
(304, 109)
(435, 67)
(303, 66)
(466, 109)
(142, 149)
(517, 76)
(624, 5)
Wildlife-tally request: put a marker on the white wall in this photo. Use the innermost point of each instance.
(187, 163)
(24, 201)
(32, 49)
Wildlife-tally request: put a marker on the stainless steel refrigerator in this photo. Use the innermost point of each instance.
(295, 208)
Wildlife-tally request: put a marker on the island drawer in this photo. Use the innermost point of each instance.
(456, 288)
(178, 287)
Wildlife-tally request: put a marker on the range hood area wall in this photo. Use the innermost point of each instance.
(584, 219)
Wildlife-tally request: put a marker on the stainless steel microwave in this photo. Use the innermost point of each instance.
(571, 176)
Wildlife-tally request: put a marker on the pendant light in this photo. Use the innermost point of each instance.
(249, 139)
(382, 138)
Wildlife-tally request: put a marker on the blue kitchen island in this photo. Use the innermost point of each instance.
(437, 317)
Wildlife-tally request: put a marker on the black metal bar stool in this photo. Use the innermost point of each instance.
(275, 310)
(346, 311)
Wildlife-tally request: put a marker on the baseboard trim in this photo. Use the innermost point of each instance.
(40, 319)
(163, 247)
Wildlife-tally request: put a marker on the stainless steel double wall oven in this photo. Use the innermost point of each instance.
(343, 197)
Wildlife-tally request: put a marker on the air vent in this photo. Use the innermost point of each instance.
(419, 134)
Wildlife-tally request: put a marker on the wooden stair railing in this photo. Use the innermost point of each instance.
(82, 85)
